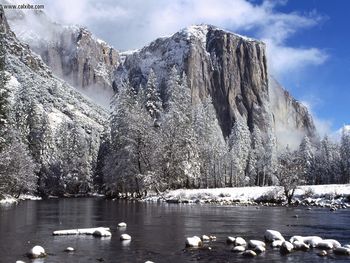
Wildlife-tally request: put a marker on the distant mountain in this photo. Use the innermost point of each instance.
(71, 52)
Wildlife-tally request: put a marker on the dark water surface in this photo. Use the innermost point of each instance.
(159, 230)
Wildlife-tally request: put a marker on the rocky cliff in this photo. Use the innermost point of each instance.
(232, 69)
(71, 52)
(61, 127)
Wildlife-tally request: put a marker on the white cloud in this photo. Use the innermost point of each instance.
(131, 24)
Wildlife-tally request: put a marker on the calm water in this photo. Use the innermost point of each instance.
(158, 230)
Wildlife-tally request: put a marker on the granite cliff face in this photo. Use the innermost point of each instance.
(71, 52)
(232, 69)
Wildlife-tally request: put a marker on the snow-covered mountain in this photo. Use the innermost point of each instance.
(71, 52)
(232, 69)
(61, 127)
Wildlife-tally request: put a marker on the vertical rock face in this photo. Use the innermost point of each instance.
(72, 53)
(291, 119)
(232, 69)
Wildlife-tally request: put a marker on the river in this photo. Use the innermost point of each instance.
(159, 230)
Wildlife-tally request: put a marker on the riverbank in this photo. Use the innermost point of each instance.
(8, 199)
(333, 196)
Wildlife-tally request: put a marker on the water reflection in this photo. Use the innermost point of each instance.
(158, 230)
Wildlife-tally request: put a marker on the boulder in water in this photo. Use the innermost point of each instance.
(272, 235)
(37, 252)
(125, 237)
(193, 242)
(286, 247)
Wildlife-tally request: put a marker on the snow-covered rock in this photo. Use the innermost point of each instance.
(347, 246)
(122, 225)
(20, 261)
(254, 243)
(125, 237)
(238, 249)
(69, 249)
(342, 251)
(277, 243)
(249, 253)
(328, 244)
(230, 240)
(272, 235)
(286, 247)
(322, 253)
(298, 245)
(259, 249)
(239, 241)
(205, 238)
(80, 231)
(312, 241)
(102, 233)
(193, 242)
(37, 252)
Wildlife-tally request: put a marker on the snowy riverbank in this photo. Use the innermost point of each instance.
(8, 199)
(311, 195)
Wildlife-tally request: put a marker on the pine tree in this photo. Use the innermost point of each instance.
(180, 158)
(17, 169)
(130, 128)
(307, 156)
(153, 100)
(4, 94)
(239, 142)
(211, 145)
(345, 156)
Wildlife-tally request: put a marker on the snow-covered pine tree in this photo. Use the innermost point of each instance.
(211, 145)
(4, 94)
(326, 166)
(180, 160)
(130, 147)
(306, 153)
(17, 169)
(257, 152)
(239, 142)
(153, 100)
(345, 156)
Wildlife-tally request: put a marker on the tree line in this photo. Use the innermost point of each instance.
(157, 139)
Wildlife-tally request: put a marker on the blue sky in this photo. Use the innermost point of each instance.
(326, 87)
(308, 42)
